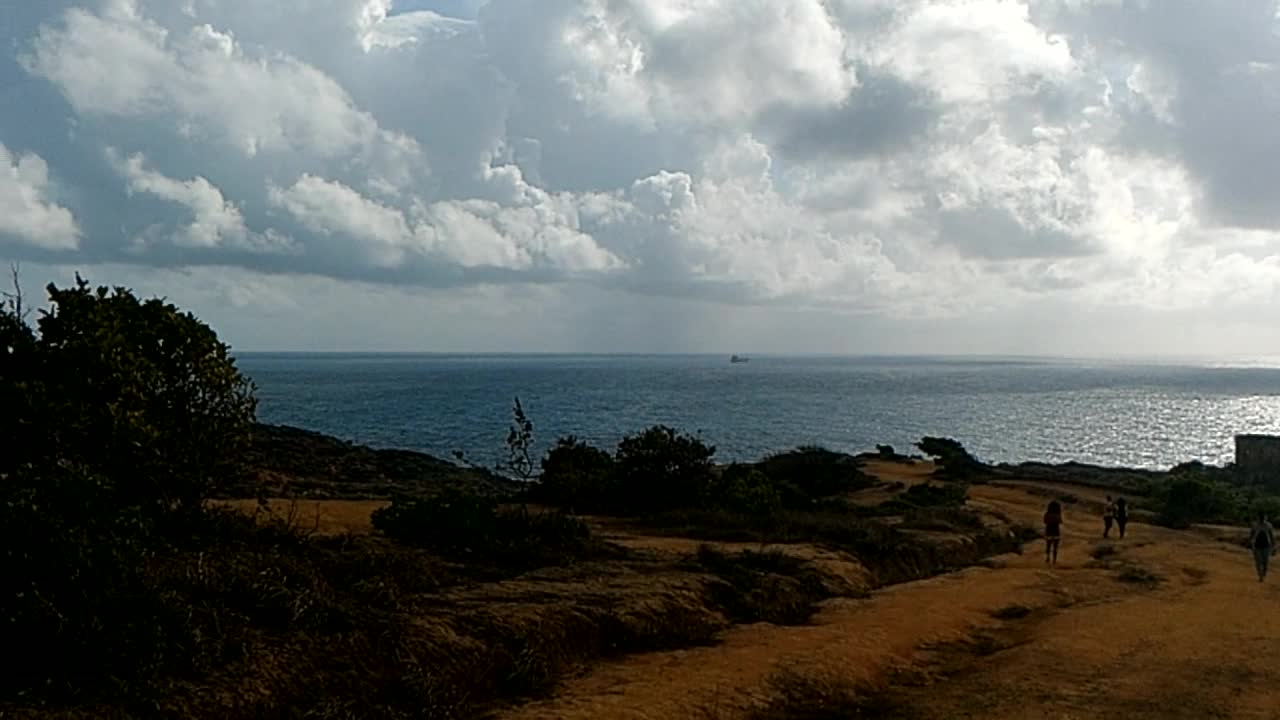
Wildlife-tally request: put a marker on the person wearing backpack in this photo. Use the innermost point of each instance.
(1263, 540)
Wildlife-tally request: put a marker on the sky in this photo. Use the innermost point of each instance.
(1057, 177)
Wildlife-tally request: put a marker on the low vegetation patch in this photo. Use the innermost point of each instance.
(765, 586)
(1012, 612)
(1102, 551)
(1138, 575)
(813, 695)
(472, 527)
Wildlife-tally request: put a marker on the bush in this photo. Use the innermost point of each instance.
(1186, 500)
(816, 472)
(119, 416)
(952, 458)
(661, 468)
(464, 525)
(142, 396)
(577, 477)
(742, 488)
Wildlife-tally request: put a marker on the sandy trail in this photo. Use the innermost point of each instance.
(1202, 643)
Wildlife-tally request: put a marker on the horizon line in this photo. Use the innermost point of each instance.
(1268, 360)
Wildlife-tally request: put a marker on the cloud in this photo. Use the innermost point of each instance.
(892, 160)
(26, 213)
(215, 222)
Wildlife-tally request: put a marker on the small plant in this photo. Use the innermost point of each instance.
(1138, 575)
(1103, 550)
(1011, 612)
(520, 444)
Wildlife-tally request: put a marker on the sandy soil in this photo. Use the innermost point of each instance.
(1202, 641)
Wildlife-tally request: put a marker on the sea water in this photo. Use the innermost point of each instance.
(1002, 409)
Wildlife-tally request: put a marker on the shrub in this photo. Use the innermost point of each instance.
(662, 468)
(886, 452)
(578, 477)
(462, 525)
(119, 415)
(1186, 500)
(141, 395)
(952, 458)
(816, 472)
(742, 488)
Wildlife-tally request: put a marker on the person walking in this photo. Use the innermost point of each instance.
(1122, 515)
(1052, 532)
(1263, 540)
(1108, 517)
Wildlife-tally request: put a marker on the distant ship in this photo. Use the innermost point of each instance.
(738, 359)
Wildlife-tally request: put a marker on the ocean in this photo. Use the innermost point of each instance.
(1003, 410)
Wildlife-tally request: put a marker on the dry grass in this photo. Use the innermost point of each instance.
(795, 694)
(324, 517)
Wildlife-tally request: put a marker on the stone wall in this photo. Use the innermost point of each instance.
(1258, 454)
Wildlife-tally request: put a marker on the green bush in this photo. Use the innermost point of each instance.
(119, 415)
(661, 468)
(1187, 499)
(742, 488)
(953, 460)
(816, 472)
(466, 525)
(577, 477)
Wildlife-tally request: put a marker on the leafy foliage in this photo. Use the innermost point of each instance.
(815, 471)
(118, 416)
(744, 489)
(1186, 500)
(953, 460)
(577, 477)
(142, 396)
(662, 468)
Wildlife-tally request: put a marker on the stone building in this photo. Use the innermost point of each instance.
(1258, 456)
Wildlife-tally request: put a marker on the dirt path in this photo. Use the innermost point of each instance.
(1199, 639)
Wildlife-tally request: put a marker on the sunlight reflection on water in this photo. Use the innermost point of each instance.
(1113, 414)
